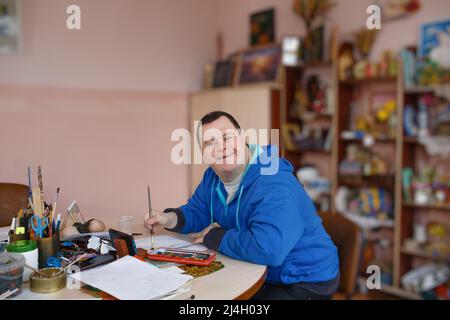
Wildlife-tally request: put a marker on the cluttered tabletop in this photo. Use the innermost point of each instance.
(224, 278)
(42, 258)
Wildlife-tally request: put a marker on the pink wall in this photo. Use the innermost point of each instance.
(101, 147)
(96, 107)
(349, 15)
(158, 45)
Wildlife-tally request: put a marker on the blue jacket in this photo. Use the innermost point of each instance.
(271, 221)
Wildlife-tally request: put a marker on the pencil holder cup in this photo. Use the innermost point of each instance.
(47, 247)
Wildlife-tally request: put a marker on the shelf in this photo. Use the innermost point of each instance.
(351, 82)
(368, 223)
(311, 64)
(386, 181)
(425, 89)
(377, 140)
(312, 117)
(424, 254)
(299, 152)
(402, 293)
(441, 207)
(410, 140)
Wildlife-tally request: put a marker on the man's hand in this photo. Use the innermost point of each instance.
(199, 236)
(166, 220)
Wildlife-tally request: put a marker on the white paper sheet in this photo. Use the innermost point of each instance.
(131, 279)
(168, 241)
(173, 269)
(4, 233)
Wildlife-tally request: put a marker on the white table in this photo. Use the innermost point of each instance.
(237, 280)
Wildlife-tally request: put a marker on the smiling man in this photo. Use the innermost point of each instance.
(247, 212)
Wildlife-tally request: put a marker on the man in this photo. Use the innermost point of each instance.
(247, 212)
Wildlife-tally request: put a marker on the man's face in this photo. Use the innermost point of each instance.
(223, 146)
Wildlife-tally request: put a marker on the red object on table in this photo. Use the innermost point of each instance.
(198, 258)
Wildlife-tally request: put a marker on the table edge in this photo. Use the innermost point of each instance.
(250, 292)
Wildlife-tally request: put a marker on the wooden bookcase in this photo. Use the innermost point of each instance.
(347, 92)
(405, 150)
(291, 77)
(407, 211)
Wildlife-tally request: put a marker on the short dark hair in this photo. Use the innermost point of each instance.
(213, 116)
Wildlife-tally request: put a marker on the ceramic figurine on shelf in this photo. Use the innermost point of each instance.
(440, 191)
(300, 103)
(316, 95)
(438, 242)
(441, 125)
(422, 118)
(393, 65)
(345, 67)
(346, 61)
(365, 124)
(378, 165)
(409, 124)
(360, 70)
(422, 193)
(407, 176)
(409, 67)
(375, 202)
(371, 70)
(386, 111)
(350, 165)
(420, 234)
(440, 196)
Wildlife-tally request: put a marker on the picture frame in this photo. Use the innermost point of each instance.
(262, 27)
(224, 73)
(259, 65)
(208, 74)
(10, 27)
(317, 49)
(434, 39)
(291, 50)
(75, 213)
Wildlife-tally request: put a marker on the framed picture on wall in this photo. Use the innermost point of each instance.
(260, 65)
(262, 27)
(10, 31)
(435, 42)
(223, 73)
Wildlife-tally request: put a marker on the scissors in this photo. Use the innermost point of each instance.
(39, 225)
(54, 262)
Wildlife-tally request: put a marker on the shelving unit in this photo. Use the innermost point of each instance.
(347, 92)
(425, 255)
(291, 76)
(404, 149)
(406, 212)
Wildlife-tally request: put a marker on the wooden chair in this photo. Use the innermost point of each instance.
(347, 236)
(12, 198)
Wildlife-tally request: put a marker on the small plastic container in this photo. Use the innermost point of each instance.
(11, 272)
(29, 250)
